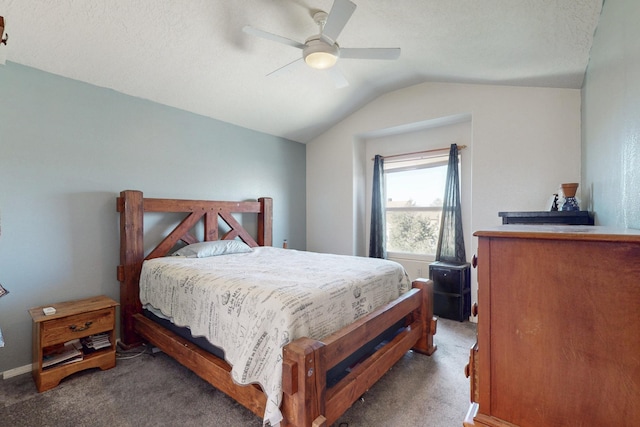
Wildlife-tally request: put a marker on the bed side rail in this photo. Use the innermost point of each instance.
(208, 367)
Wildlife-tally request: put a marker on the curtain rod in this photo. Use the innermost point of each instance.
(460, 147)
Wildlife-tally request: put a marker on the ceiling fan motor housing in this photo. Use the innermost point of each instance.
(319, 54)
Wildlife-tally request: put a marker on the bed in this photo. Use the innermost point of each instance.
(318, 376)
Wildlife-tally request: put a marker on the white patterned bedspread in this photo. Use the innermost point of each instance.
(252, 304)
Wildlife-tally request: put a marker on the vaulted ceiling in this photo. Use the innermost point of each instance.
(193, 54)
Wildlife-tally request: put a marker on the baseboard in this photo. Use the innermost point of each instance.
(16, 371)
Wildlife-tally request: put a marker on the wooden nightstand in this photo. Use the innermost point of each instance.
(73, 320)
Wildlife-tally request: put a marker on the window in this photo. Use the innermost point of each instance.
(414, 193)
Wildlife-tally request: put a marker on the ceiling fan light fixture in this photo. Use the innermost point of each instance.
(321, 60)
(320, 55)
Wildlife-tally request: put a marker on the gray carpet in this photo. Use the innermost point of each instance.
(154, 390)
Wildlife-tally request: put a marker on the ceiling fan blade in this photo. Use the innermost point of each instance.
(273, 37)
(284, 69)
(340, 13)
(338, 78)
(370, 53)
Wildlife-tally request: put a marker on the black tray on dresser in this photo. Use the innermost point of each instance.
(548, 217)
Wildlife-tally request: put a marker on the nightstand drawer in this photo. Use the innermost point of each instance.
(450, 278)
(77, 326)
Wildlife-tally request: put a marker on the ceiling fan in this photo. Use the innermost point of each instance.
(321, 51)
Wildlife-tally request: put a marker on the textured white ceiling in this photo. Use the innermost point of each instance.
(193, 55)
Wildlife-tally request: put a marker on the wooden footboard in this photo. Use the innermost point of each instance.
(307, 400)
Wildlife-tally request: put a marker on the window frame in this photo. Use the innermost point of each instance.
(413, 163)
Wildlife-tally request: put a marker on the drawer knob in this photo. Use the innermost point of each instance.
(474, 261)
(86, 326)
(467, 371)
(474, 309)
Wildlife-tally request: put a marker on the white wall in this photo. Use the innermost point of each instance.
(611, 118)
(525, 142)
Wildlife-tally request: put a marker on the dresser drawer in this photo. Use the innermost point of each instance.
(77, 326)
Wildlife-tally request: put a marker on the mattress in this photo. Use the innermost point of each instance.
(252, 304)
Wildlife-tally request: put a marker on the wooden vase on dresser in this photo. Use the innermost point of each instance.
(558, 327)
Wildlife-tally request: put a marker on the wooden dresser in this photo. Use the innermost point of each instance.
(558, 327)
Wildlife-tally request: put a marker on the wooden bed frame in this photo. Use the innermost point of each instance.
(307, 401)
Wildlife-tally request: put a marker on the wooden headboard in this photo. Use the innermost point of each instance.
(132, 206)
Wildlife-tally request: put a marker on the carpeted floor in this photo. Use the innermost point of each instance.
(154, 390)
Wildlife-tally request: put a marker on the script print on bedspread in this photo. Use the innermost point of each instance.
(253, 304)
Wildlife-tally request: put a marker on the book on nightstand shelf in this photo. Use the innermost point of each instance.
(95, 342)
(69, 352)
(74, 350)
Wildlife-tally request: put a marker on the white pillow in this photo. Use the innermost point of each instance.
(214, 248)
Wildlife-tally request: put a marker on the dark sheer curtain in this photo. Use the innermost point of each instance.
(451, 241)
(377, 240)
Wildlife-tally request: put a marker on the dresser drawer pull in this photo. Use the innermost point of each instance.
(86, 326)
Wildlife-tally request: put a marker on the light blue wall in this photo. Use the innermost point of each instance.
(66, 151)
(611, 118)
